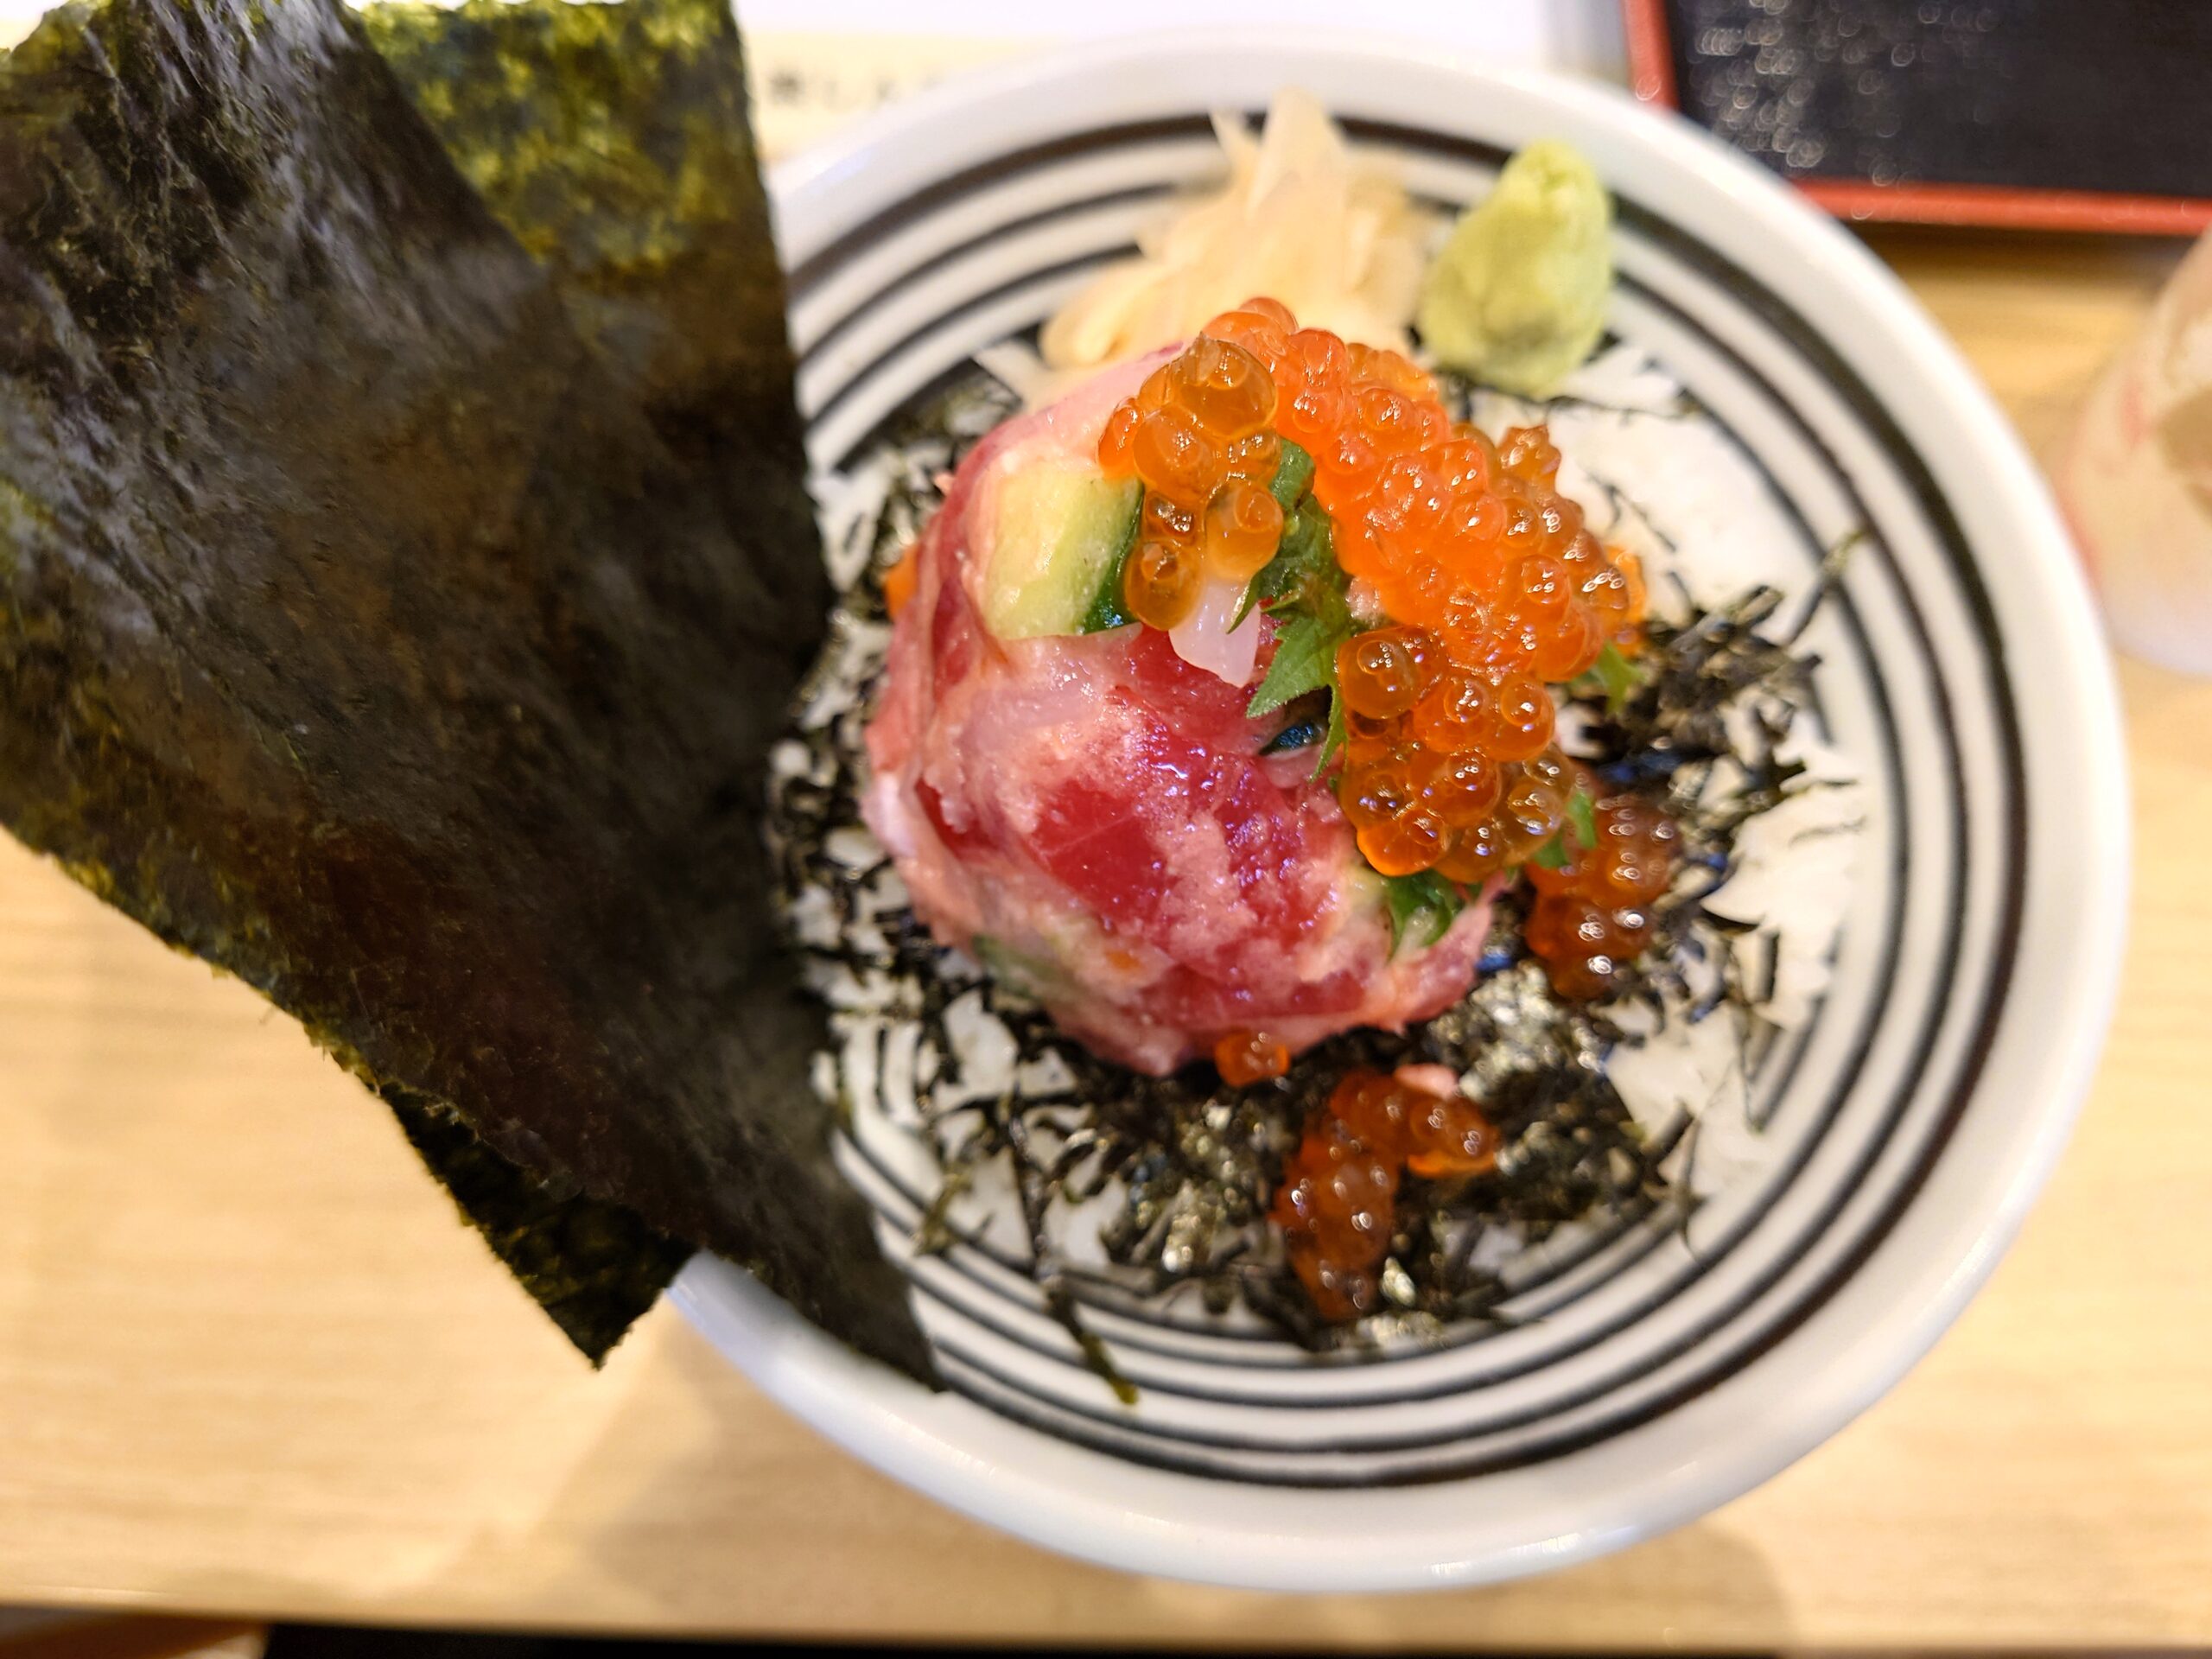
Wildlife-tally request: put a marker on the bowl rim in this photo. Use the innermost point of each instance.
(899, 1427)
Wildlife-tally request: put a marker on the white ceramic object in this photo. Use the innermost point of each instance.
(1972, 980)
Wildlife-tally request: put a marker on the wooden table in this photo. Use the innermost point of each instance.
(248, 1362)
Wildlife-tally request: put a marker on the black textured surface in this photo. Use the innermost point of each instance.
(360, 634)
(593, 1268)
(2098, 95)
(615, 143)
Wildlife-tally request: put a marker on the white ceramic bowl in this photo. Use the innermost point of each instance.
(1913, 1125)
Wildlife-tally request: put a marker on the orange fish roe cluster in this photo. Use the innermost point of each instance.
(1465, 538)
(1338, 1202)
(1244, 1057)
(1468, 794)
(1592, 917)
(1498, 590)
(900, 581)
(1494, 586)
(1198, 434)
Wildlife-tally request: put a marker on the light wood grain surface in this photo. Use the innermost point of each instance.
(249, 1360)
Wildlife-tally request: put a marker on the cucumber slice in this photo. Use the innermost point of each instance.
(1060, 534)
(1108, 608)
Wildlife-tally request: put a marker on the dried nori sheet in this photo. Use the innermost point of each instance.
(593, 1267)
(359, 634)
(615, 142)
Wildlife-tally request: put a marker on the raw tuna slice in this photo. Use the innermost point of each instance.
(1090, 816)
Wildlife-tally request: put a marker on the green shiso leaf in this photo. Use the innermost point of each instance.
(1334, 737)
(364, 634)
(1302, 553)
(1304, 662)
(1303, 587)
(1422, 909)
(1304, 573)
(1293, 476)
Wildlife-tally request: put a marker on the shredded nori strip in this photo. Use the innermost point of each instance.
(360, 634)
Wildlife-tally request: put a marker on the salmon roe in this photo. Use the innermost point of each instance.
(900, 581)
(1592, 917)
(1338, 1202)
(1496, 591)
(1244, 1058)
(1197, 434)
(1493, 588)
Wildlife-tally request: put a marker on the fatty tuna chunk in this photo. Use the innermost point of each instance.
(1090, 816)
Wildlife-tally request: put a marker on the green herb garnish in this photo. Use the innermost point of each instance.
(1581, 827)
(1334, 737)
(1305, 661)
(1303, 547)
(1305, 565)
(1582, 815)
(1612, 677)
(1422, 908)
(1294, 477)
(1303, 588)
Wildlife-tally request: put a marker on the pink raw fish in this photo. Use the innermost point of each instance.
(1090, 816)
